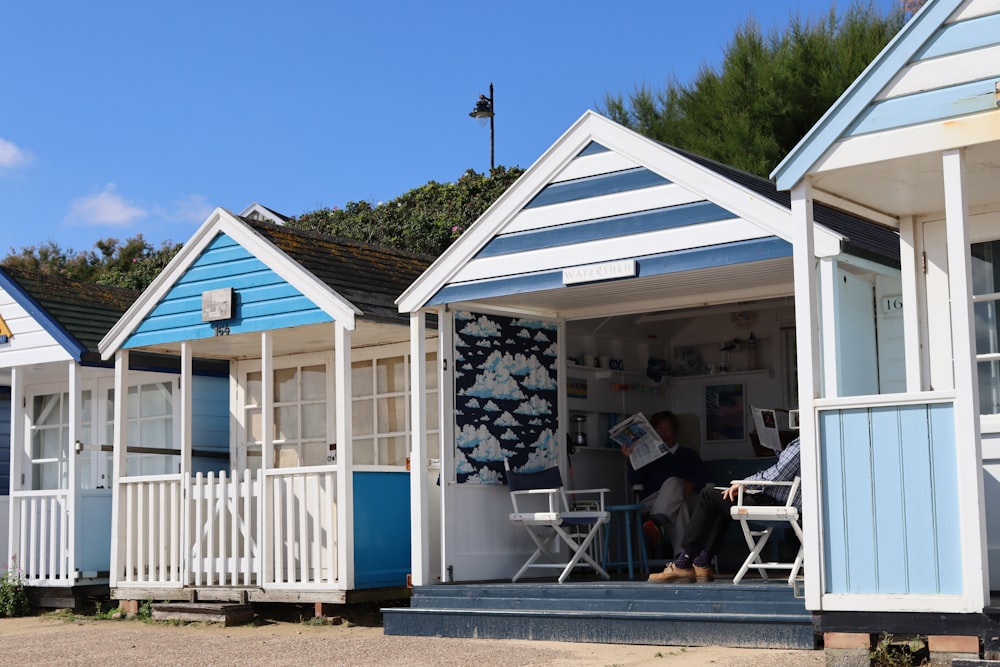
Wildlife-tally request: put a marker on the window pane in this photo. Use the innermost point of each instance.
(156, 400)
(45, 476)
(45, 443)
(391, 374)
(255, 391)
(46, 410)
(391, 414)
(431, 371)
(133, 401)
(364, 452)
(985, 268)
(286, 387)
(255, 426)
(432, 411)
(392, 451)
(989, 387)
(433, 446)
(314, 421)
(987, 331)
(362, 417)
(156, 433)
(361, 378)
(286, 423)
(286, 456)
(314, 454)
(313, 383)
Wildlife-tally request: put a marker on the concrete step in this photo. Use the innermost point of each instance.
(207, 612)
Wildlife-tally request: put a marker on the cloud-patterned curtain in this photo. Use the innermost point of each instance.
(506, 396)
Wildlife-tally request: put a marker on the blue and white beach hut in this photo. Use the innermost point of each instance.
(313, 499)
(610, 231)
(903, 485)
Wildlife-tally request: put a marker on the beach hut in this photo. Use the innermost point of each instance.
(313, 500)
(619, 275)
(903, 484)
(59, 394)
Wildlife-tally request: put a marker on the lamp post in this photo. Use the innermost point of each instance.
(484, 109)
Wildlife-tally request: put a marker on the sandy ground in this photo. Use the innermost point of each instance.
(49, 640)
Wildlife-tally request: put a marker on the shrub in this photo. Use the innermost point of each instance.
(13, 595)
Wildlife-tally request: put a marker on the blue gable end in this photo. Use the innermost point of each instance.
(262, 300)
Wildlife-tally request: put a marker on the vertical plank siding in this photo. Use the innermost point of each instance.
(890, 500)
(261, 299)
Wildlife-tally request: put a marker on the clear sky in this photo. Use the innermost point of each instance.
(125, 117)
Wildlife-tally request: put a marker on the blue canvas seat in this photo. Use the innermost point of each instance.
(542, 506)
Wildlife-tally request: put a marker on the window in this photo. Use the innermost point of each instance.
(380, 410)
(49, 441)
(300, 417)
(985, 296)
(150, 424)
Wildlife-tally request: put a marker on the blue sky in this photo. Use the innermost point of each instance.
(120, 118)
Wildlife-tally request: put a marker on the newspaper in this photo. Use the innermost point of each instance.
(766, 422)
(637, 434)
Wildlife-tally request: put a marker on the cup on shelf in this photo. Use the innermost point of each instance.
(603, 362)
(590, 360)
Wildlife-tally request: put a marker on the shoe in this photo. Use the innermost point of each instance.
(652, 532)
(703, 574)
(672, 573)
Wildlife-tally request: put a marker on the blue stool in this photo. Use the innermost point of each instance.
(621, 530)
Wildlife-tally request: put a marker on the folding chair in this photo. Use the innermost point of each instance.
(541, 506)
(757, 536)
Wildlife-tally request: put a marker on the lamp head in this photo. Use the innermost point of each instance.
(483, 108)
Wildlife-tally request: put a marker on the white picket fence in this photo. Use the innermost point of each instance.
(207, 530)
(42, 549)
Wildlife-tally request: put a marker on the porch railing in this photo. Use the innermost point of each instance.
(42, 549)
(301, 526)
(212, 530)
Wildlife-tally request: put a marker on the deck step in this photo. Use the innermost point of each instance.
(765, 615)
(207, 612)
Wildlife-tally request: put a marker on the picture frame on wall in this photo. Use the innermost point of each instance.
(725, 412)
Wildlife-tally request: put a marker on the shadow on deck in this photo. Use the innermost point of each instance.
(756, 614)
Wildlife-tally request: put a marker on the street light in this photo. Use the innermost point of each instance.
(482, 110)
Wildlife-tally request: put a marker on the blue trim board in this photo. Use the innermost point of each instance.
(627, 224)
(739, 252)
(263, 300)
(593, 148)
(939, 104)
(381, 529)
(40, 315)
(595, 186)
(976, 33)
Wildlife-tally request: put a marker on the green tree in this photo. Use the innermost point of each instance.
(133, 263)
(424, 220)
(769, 91)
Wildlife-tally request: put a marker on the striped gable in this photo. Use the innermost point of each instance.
(262, 300)
(604, 194)
(943, 67)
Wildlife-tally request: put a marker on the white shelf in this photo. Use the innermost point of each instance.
(673, 378)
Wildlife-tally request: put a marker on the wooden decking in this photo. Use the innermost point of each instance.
(753, 614)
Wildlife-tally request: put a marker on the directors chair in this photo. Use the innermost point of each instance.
(757, 536)
(541, 505)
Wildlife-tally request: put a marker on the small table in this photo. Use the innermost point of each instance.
(620, 529)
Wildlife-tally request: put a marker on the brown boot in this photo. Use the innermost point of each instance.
(671, 573)
(703, 574)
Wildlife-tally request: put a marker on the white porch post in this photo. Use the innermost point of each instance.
(968, 446)
(446, 422)
(74, 384)
(419, 520)
(807, 344)
(829, 307)
(264, 575)
(118, 468)
(18, 415)
(186, 408)
(912, 310)
(345, 456)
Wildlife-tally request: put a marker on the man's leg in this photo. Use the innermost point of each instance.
(669, 504)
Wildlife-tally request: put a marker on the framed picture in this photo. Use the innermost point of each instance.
(725, 412)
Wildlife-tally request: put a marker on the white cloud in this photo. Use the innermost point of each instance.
(105, 208)
(193, 208)
(11, 155)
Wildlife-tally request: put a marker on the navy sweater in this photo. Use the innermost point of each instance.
(684, 463)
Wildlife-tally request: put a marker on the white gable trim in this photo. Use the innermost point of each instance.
(880, 72)
(222, 221)
(633, 147)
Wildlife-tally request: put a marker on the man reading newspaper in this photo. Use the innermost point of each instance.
(670, 477)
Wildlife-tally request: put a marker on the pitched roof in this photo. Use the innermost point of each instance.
(863, 238)
(369, 276)
(82, 310)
